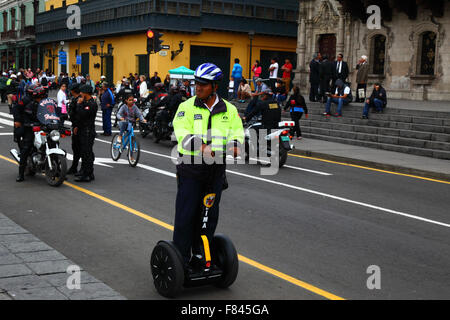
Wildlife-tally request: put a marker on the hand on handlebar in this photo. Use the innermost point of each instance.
(207, 151)
(236, 151)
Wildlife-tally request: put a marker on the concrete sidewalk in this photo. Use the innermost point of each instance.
(31, 270)
(375, 158)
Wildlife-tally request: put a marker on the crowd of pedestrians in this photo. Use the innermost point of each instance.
(329, 85)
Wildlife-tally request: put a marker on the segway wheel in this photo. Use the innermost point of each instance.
(167, 269)
(226, 258)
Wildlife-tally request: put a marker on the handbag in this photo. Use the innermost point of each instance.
(361, 94)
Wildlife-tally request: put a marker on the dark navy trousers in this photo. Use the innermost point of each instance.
(188, 216)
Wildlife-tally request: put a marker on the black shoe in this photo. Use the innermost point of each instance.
(73, 171)
(83, 179)
(92, 177)
(79, 174)
(20, 178)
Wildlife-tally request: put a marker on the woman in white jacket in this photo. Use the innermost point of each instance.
(62, 99)
(143, 91)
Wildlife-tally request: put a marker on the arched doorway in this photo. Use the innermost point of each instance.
(327, 45)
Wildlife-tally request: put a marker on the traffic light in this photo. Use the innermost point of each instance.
(150, 41)
(157, 41)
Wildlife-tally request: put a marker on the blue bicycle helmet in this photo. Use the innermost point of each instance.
(208, 73)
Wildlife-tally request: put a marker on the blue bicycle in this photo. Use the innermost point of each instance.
(130, 143)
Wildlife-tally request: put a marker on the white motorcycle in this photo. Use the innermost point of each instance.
(47, 157)
(282, 134)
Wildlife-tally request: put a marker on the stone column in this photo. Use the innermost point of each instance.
(16, 62)
(340, 33)
(30, 53)
(38, 63)
(301, 45)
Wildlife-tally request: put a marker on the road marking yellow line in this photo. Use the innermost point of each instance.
(369, 168)
(253, 263)
(246, 260)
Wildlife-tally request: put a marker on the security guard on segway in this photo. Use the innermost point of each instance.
(207, 128)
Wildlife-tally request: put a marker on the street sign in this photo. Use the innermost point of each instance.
(62, 57)
(165, 47)
(78, 59)
(163, 53)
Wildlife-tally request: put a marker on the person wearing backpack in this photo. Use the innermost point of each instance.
(107, 103)
(3, 80)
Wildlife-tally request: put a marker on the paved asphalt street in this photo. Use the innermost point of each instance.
(309, 232)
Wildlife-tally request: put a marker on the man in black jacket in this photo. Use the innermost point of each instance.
(25, 116)
(270, 111)
(76, 147)
(154, 80)
(377, 101)
(326, 72)
(314, 77)
(340, 69)
(86, 113)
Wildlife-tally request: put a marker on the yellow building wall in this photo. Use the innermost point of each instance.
(126, 48)
(57, 3)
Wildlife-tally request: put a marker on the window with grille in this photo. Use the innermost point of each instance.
(239, 10)
(172, 7)
(184, 8)
(378, 54)
(228, 8)
(428, 53)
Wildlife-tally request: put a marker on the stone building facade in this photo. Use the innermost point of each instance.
(409, 56)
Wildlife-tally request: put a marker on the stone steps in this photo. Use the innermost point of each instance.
(381, 123)
(389, 147)
(418, 132)
(361, 128)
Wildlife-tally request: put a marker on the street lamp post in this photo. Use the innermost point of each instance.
(52, 54)
(102, 54)
(251, 36)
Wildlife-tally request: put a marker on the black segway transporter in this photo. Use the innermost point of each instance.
(217, 265)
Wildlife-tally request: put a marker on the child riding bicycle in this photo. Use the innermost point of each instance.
(127, 115)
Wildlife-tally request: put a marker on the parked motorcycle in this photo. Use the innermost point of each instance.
(282, 134)
(47, 156)
(162, 127)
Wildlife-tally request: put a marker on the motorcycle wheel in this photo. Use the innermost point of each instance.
(56, 176)
(247, 152)
(156, 136)
(142, 130)
(283, 157)
(134, 152)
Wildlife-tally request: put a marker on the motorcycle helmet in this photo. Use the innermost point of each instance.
(39, 92)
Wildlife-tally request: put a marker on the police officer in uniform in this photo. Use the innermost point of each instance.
(76, 147)
(25, 115)
(86, 111)
(207, 128)
(270, 111)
